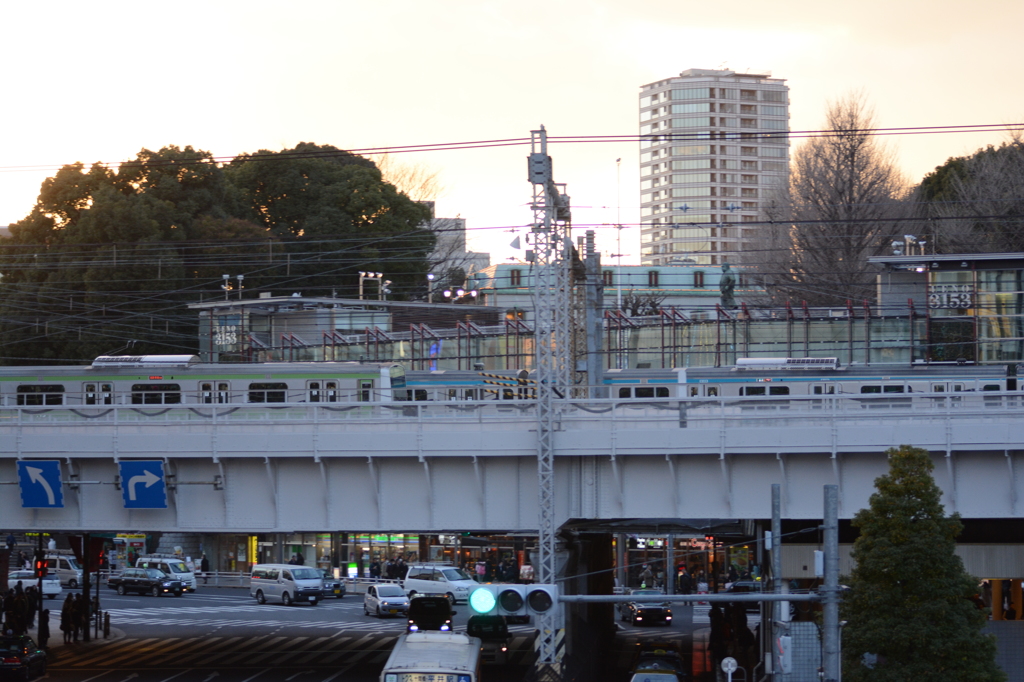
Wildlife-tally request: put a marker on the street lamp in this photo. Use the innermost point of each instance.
(430, 287)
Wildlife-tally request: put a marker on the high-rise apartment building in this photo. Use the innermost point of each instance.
(713, 145)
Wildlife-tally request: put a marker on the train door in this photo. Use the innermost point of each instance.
(365, 394)
(941, 391)
(211, 392)
(822, 390)
(98, 394)
(322, 391)
(702, 390)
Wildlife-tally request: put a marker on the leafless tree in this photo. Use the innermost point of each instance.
(416, 180)
(843, 195)
(639, 305)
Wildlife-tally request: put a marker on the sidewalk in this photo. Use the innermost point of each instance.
(55, 646)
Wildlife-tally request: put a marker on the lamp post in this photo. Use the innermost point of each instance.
(430, 287)
(372, 277)
(226, 286)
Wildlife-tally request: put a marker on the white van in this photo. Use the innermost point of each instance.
(286, 583)
(172, 565)
(435, 656)
(66, 568)
(444, 579)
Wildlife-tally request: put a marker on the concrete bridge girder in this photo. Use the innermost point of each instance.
(444, 474)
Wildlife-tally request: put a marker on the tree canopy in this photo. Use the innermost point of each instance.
(111, 254)
(980, 199)
(910, 602)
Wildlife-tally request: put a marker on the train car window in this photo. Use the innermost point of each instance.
(223, 392)
(662, 392)
(644, 391)
(365, 390)
(625, 392)
(958, 387)
(870, 389)
(827, 389)
(893, 389)
(471, 394)
(713, 391)
(990, 387)
(156, 394)
(938, 388)
(314, 391)
(778, 390)
(205, 392)
(41, 394)
(752, 390)
(331, 391)
(419, 394)
(267, 392)
(208, 395)
(694, 391)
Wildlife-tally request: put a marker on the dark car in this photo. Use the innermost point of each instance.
(645, 612)
(494, 637)
(657, 662)
(333, 587)
(145, 581)
(20, 657)
(430, 613)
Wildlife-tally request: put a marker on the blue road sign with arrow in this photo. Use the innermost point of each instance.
(40, 483)
(142, 484)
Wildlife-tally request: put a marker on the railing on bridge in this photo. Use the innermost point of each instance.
(690, 413)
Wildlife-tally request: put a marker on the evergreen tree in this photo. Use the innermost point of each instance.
(910, 599)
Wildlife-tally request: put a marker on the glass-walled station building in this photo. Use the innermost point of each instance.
(972, 304)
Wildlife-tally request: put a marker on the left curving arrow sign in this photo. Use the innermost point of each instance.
(40, 484)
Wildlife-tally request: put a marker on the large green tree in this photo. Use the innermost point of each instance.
(334, 216)
(108, 255)
(910, 598)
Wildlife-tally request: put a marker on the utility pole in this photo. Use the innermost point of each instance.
(830, 592)
(552, 246)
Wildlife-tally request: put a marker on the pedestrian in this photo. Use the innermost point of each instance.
(10, 542)
(646, 576)
(204, 566)
(78, 608)
(375, 569)
(299, 559)
(43, 634)
(66, 618)
(685, 582)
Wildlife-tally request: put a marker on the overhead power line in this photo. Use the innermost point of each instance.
(522, 141)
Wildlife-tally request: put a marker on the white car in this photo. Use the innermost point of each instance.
(51, 583)
(385, 600)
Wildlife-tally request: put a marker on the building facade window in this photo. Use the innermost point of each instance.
(698, 278)
(515, 278)
(608, 278)
(652, 278)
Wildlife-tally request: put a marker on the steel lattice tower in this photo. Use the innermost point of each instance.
(552, 247)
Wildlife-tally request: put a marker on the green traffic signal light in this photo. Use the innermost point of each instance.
(481, 600)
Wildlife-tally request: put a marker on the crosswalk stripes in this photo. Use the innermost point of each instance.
(271, 651)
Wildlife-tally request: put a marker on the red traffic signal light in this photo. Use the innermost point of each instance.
(709, 538)
(40, 568)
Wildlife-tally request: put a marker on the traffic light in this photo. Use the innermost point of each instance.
(39, 565)
(513, 600)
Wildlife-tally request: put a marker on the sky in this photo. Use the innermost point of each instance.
(100, 81)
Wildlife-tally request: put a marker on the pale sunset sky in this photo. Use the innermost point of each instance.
(99, 81)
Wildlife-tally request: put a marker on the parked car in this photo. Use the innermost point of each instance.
(333, 587)
(645, 612)
(19, 656)
(385, 600)
(430, 613)
(434, 578)
(66, 568)
(146, 581)
(51, 583)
